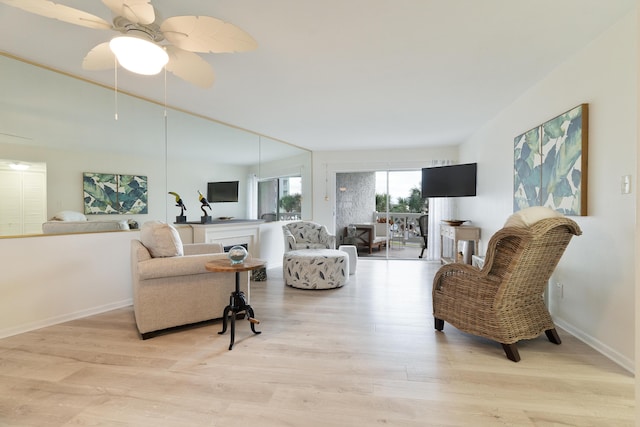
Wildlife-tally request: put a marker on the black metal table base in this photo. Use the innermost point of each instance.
(237, 304)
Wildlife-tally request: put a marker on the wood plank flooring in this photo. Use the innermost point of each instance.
(363, 355)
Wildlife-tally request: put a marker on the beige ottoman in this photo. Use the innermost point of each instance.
(315, 268)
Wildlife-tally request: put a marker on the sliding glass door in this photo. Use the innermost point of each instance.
(379, 211)
(400, 208)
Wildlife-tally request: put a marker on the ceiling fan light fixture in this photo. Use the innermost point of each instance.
(138, 55)
(19, 166)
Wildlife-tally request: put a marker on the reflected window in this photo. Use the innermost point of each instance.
(280, 199)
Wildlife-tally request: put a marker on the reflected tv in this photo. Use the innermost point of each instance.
(449, 181)
(223, 191)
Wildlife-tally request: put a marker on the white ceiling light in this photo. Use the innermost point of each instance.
(138, 55)
(19, 166)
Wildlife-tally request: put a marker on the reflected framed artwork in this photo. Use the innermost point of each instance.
(114, 194)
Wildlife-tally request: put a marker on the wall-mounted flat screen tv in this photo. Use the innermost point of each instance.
(449, 181)
(223, 191)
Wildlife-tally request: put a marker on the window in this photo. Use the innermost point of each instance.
(280, 198)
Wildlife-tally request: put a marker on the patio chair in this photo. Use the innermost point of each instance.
(423, 223)
(269, 217)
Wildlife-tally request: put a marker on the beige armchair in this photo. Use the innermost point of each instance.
(504, 300)
(170, 291)
(307, 235)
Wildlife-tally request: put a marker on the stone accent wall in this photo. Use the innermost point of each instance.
(356, 203)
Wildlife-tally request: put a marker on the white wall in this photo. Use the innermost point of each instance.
(52, 279)
(597, 270)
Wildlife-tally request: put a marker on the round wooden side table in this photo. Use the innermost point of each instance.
(237, 300)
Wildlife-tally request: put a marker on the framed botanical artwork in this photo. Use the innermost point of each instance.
(527, 170)
(550, 164)
(114, 194)
(132, 194)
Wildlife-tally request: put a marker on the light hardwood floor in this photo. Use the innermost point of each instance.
(363, 355)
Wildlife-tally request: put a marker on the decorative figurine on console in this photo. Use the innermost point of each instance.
(181, 219)
(205, 219)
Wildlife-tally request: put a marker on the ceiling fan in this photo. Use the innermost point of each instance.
(175, 41)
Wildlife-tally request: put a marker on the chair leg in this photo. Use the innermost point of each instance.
(553, 336)
(511, 350)
(438, 323)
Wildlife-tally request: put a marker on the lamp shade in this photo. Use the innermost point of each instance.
(138, 55)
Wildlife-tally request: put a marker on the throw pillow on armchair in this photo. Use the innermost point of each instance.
(161, 239)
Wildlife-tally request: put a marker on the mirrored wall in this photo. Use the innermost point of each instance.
(73, 127)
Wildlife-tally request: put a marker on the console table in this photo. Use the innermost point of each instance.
(455, 234)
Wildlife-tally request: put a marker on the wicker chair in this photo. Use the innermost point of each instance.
(503, 301)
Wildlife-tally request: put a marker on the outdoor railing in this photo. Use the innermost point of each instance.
(403, 227)
(282, 216)
(289, 216)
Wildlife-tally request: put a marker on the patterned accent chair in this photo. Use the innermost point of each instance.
(307, 235)
(503, 301)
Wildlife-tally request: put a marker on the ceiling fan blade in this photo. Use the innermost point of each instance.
(136, 11)
(190, 67)
(99, 58)
(206, 34)
(60, 12)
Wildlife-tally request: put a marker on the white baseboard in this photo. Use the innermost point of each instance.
(32, 326)
(597, 345)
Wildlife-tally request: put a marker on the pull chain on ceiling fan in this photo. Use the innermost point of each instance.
(173, 44)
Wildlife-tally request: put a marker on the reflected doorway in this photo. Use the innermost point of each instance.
(23, 191)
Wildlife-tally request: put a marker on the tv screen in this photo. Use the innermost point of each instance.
(449, 181)
(224, 191)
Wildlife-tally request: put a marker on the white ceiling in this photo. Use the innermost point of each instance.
(348, 74)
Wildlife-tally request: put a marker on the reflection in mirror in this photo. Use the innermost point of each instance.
(284, 176)
(70, 125)
(280, 199)
(202, 151)
(23, 192)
